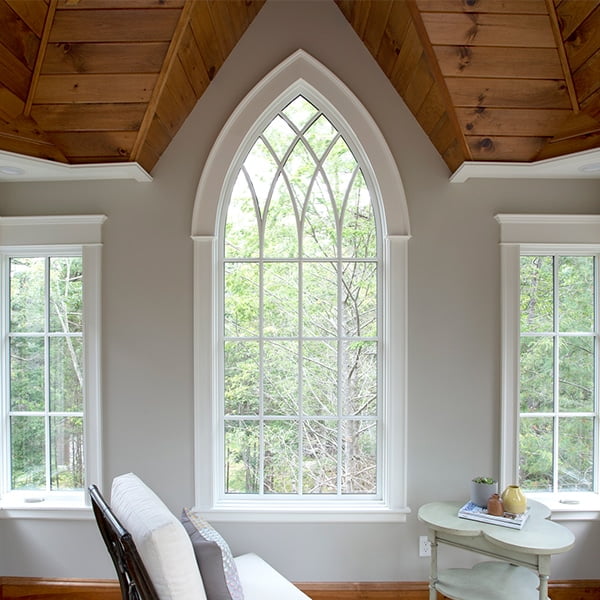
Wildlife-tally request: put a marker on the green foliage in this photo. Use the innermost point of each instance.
(486, 480)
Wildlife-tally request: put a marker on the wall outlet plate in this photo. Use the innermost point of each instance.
(424, 546)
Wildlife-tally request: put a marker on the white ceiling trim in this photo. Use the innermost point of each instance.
(21, 168)
(580, 165)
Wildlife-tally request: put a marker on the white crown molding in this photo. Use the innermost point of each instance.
(580, 165)
(20, 168)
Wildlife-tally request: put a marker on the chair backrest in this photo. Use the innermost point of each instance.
(133, 578)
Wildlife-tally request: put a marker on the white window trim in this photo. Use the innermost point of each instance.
(67, 234)
(300, 73)
(576, 234)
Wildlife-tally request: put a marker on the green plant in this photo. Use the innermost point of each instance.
(488, 480)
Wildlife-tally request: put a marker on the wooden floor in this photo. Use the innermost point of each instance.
(23, 588)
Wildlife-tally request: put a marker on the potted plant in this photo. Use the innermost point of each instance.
(481, 489)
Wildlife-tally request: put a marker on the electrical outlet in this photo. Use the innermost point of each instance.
(424, 546)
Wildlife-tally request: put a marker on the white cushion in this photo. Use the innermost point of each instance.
(160, 538)
(261, 581)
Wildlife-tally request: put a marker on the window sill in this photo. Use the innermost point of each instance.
(581, 506)
(300, 512)
(20, 506)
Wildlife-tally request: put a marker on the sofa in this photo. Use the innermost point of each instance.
(184, 557)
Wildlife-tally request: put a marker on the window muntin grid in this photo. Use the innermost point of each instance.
(558, 429)
(301, 274)
(45, 373)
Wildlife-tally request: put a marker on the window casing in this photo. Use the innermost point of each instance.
(320, 87)
(550, 410)
(50, 362)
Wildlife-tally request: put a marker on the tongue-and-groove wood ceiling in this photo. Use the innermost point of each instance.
(104, 81)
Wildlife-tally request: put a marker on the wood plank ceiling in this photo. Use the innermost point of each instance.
(104, 81)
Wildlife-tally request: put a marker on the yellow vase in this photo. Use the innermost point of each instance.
(514, 500)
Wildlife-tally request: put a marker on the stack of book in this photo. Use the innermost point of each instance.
(477, 513)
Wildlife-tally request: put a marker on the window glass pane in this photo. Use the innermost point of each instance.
(535, 456)
(281, 457)
(359, 457)
(300, 111)
(576, 293)
(66, 374)
(279, 135)
(320, 232)
(27, 294)
(299, 169)
(320, 457)
(280, 224)
(320, 135)
(359, 299)
(537, 300)
(261, 167)
(242, 451)
(280, 378)
(241, 229)
(319, 301)
(319, 378)
(359, 235)
(241, 299)
(576, 368)
(358, 378)
(576, 454)
(28, 453)
(340, 167)
(66, 453)
(280, 313)
(537, 363)
(27, 373)
(66, 298)
(242, 373)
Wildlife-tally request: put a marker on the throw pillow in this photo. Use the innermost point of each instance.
(217, 567)
(160, 538)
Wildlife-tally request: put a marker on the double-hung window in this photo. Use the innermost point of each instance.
(551, 357)
(50, 361)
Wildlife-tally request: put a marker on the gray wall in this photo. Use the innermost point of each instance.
(454, 325)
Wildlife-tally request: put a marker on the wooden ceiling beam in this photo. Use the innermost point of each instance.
(40, 56)
(440, 81)
(163, 77)
(562, 54)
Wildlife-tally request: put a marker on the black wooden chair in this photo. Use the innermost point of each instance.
(133, 578)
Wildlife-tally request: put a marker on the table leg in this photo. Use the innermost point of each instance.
(543, 587)
(544, 575)
(433, 567)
